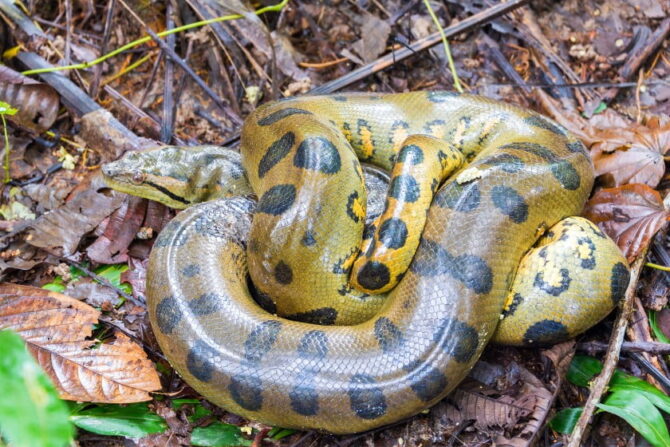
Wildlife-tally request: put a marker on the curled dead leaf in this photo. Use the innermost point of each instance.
(630, 214)
(57, 331)
(37, 103)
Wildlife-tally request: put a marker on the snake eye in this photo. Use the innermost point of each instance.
(138, 177)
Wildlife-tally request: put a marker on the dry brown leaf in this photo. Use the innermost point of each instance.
(57, 330)
(122, 227)
(503, 412)
(629, 214)
(36, 102)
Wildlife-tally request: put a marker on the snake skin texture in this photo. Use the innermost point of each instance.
(495, 241)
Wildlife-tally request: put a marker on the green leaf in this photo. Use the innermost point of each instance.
(565, 420)
(640, 413)
(658, 333)
(583, 369)
(6, 109)
(623, 381)
(112, 273)
(131, 421)
(56, 285)
(278, 433)
(178, 403)
(218, 434)
(30, 411)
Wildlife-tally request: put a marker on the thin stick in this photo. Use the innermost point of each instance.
(599, 385)
(445, 43)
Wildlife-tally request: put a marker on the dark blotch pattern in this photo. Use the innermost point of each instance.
(411, 154)
(171, 236)
(351, 200)
(373, 275)
(283, 273)
(367, 400)
(457, 339)
(206, 304)
(507, 162)
(546, 332)
(405, 188)
(191, 270)
(440, 96)
(427, 382)
(563, 171)
(247, 391)
(510, 202)
(577, 147)
(200, 361)
(393, 233)
(308, 239)
(281, 114)
(277, 199)
(324, 316)
(516, 300)
(463, 198)
(275, 153)
(433, 260)
(550, 289)
(168, 314)
(546, 124)
(588, 263)
(317, 154)
(388, 335)
(314, 345)
(304, 398)
(619, 282)
(261, 339)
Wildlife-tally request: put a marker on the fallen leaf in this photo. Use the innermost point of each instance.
(37, 103)
(629, 214)
(121, 228)
(57, 330)
(374, 34)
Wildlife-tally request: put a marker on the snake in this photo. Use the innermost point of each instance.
(277, 296)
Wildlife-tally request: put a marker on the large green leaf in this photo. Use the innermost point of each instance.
(131, 421)
(565, 420)
(623, 381)
(656, 329)
(219, 434)
(31, 414)
(583, 369)
(640, 413)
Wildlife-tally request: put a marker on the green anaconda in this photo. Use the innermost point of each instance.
(473, 227)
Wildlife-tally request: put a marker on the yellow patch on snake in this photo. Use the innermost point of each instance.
(358, 208)
(398, 137)
(469, 175)
(437, 130)
(367, 143)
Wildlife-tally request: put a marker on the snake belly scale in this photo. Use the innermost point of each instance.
(396, 355)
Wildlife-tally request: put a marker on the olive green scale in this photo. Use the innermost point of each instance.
(517, 177)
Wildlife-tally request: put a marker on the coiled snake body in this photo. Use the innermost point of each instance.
(517, 175)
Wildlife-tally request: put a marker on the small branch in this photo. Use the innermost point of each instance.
(651, 347)
(599, 385)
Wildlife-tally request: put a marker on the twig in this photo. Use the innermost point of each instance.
(168, 78)
(599, 385)
(445, 43)
(133, 336)
(652, 347)
(652, 370)
(97, 71)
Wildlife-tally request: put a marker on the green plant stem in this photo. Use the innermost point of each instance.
(146, 39)
(447, 50)
(657, 267)
(4, 131)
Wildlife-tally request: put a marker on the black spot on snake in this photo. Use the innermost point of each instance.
(550, 288)
(369, 231)
(411, 154)
(405, 188)
(516, 300)
(314, 345)
(373, 275)
(191, 270)
(563, 171)
(619, 282)
(546, 124)
(577, 147)
(440, 96)
(340, 98)
(275, 153)
(457, 339)
(426, 381)
(168, 314)
(510, 202)
(463, 198)
(308, 239)
(588, 262)
(351, 201)
(247, 391)
(206, 304)
(367, 400)
(546, 332)
(304, 398)
(261, 339)
(200, 361)
(430, 126)
(317, 154)
(283, 273)
(277, 199)
(281, 114)
(388, 335)
(172, 235)
(262, 299)
(325, 316)
(393, 233)
(507, 162)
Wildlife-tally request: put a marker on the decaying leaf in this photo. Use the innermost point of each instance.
(57, 330)
(629, 214)
(37, 103)
(488, 412)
